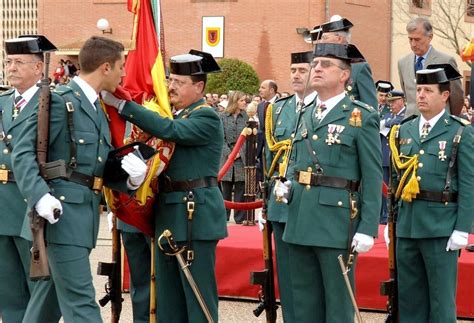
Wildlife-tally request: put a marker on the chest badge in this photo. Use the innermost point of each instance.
(356, 118)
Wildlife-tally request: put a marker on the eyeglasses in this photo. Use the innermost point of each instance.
(325, 63)
(17, 62)
(177, 83)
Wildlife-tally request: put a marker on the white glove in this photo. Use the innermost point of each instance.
(261, 221)
(385, 236)
(112, 100)
(362, 242)
(282, 191)
(46, 206)
(135, 168)
(457, 240)
(110, 221)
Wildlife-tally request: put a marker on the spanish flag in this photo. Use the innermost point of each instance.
(145, 83)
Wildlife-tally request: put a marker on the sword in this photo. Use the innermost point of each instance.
(345, 270)
(177, 252)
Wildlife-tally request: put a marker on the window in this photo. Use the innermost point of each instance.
(470, 8)
(421, 7)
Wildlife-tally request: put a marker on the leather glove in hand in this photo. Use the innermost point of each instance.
(362, 242)
(112, 100)
(282, 191)
(261, 221)
(46, 206)
(457, 240)
(135, 168)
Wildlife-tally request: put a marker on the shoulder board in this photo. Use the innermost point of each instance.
(10, 91)
(462, 121)
(283, 99)
(364, 105)
(63, 89)
(412, 117)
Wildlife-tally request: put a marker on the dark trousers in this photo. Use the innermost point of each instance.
(238, 188)
(384, 210)
(137, 246)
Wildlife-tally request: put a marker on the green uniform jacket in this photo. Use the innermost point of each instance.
(424, 219)
(12, 213)
(319, 216)
(79, 223)
(283, 122)
(361, 84)
(199, 138)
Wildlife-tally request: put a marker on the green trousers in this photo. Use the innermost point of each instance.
(71, 275)
(137, 247)
(319, 291)
(16, 287)
(283, 270)
(176, 301)
(427, 277)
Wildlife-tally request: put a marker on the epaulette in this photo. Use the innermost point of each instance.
(63, 89)
(364, 105)
(286, 98)
(412, 117)
(462, 121)
(8, 92)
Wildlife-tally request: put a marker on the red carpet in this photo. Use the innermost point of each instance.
(241, 253)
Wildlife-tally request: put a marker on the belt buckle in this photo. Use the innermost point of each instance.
(304, 177)
(98, 183)
(3, 175)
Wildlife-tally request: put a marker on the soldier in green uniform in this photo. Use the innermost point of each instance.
(190, 180)
(383, 88)
(361, 84)
(284, 115)
(437, 200)
(334, 198)
(78, 135)
(24, 67)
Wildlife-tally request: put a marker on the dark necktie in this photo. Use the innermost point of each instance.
(19, 103)
(425, 130)
(419, 64)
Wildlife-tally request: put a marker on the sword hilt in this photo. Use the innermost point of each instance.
(174, 249)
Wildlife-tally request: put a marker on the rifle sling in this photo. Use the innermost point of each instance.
(70, 125)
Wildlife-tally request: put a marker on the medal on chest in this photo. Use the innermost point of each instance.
(442, 150)
(334, 131)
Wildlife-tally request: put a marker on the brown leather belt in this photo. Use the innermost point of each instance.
(442, 197)
(6, 176)
(93, 182)
(313, 179)
(182, 186)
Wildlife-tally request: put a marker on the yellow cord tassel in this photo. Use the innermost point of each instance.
(409, 191)
(279, 147)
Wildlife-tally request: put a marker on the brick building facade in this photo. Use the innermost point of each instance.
(260, 32)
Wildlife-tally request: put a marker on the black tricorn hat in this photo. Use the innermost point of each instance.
(346, 52)
(436, 74)
(301, 57)
(28, 44)
(194, 63)
(383, 86)
(394, 95)
(342, 24)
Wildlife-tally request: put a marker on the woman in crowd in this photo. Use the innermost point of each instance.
(234, 120)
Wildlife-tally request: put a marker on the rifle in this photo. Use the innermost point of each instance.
(389, 288)
(266, 278)
(39, 268)
(250, 170)
(113, 270)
